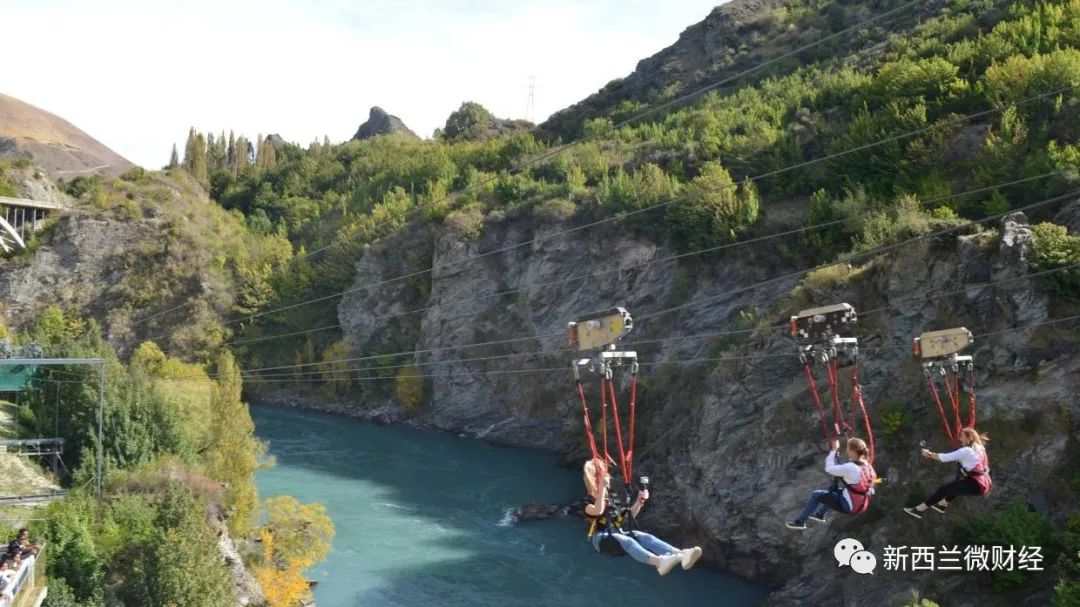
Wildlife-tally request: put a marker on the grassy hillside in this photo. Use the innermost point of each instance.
(52, 142)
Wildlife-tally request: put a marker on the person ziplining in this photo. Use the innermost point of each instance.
(612, 517)
(820, 333)
(939, 352)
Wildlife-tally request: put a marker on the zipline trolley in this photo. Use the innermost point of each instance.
(939, 352)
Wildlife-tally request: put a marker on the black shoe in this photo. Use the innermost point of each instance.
(817, 519)
(796, 525)
(913, 512)
(938, 509)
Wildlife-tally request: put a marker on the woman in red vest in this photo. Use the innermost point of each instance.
(857, 478)
(973, 478)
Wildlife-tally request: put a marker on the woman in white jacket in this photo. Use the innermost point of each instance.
(857, 478)
(973, 477)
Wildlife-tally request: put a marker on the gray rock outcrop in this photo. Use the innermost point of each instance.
(381, 123)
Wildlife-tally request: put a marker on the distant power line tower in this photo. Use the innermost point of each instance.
(530, 103)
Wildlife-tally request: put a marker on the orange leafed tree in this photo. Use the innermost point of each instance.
(283, 584)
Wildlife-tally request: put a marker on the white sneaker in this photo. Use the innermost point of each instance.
(690, 556)
(664, 564)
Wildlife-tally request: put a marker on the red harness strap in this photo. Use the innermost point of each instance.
(817, 399)
(971, 396)
(953, 391)
(941, 409)
(603, 417)
(629, 465)
(588, 422)
(839, 421)
(618, 433)
(857, 398)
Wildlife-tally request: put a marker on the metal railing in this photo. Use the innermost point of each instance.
(28, 586)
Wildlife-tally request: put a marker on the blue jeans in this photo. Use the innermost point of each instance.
(823, 500)
(641, 546)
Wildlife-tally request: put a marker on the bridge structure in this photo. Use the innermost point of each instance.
(21, 217)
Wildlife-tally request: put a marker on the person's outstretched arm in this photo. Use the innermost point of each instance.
(951, 456)
(639, 503)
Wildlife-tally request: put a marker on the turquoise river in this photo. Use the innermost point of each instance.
(422, 519)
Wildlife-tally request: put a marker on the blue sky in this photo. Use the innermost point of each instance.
(137, 74)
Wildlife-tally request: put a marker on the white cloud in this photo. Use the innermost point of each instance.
(136, 74)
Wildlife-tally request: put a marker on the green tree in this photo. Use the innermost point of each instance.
(468, 121)
(266, 158)
(195, 156)
(233, 452)
(712, 211)
(302, 532)
(174, 158)
(73, 556)
(335, 369)
(1055, 248)
(179, 564)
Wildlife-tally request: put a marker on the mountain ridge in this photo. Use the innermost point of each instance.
(53, 143)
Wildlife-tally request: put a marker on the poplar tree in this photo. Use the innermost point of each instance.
(230, 153)
(189, 149)
(233, 453)
(195, 156)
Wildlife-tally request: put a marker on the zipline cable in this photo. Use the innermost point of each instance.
(621, 216)
(789, 276)
(593, 275)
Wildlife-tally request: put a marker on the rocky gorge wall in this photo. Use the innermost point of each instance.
(733, 443)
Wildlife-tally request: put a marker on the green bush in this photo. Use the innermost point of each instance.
(61, 595)
(26, 418)
(896, 418)
(409, 387)
(1067, 590)
(136, 175)
(557, 209)
(7, 188)
(1055, 248)
(713, 210)
(468, 121)
(466, 223)
(1015, 526)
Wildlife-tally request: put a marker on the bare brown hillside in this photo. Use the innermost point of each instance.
(54, 143)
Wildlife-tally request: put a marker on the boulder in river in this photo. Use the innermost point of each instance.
(535, 512)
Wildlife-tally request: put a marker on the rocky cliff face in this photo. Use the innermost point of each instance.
(96, 266)
(733, 445)
(381, 123)
(245, 586)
